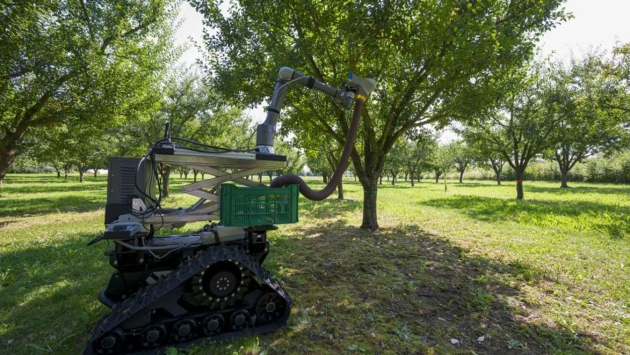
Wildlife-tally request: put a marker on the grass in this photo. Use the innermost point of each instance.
(466, 271)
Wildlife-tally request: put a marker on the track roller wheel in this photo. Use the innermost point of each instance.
(153, 335)
(213, 324)
(239, 320)
(222, 284)
(270, 307)
(184, 330)
(110, 343)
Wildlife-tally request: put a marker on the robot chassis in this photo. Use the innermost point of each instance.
(178, 290)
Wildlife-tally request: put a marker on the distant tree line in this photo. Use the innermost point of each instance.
(573, 114)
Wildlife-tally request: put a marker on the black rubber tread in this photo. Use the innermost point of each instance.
(122, 311)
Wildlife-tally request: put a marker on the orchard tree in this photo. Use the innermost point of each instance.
(66, 60)
(418, 150)
(463, 157)
(486, 154)
(593, 128)
(415, 152)
(528, 120)
(439, 160)
(46, 147)
(442, 162)
(87, 153)
(491, 160)
(395, 161)
(433, 60)
(317, 163)
(615, 91)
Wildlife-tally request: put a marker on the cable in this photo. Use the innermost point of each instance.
(290, 82)
(165, 255)
(155, 176)
(208, 145)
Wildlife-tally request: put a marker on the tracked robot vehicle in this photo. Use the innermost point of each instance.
(176, 290)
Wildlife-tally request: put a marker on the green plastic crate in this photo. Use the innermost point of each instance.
(258, 206)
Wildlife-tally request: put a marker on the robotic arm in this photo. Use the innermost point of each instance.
(358, 90)
(357, 87)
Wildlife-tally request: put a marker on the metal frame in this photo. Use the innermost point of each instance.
(209, 190)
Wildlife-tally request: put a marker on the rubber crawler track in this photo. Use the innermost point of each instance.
(133, 305)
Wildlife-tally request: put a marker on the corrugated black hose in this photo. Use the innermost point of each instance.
(305, 190)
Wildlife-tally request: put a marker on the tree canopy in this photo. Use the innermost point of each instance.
(592, 128)
(86, 61)
(526, 121)
(432, 60)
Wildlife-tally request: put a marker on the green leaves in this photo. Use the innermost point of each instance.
(433, 61)
(423, 66)
(79, 63)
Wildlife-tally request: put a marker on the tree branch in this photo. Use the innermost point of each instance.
(17, 74)
(131, 32)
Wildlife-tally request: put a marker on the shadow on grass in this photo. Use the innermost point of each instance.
(580, 190)
(40, 206)
(541, 212)
(7, 222)
(50, 179)
(553, 189)
(397, 290)
(329, 208)
(49, 188)
(404, 291)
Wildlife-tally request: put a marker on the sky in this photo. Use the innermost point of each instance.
(596, 24)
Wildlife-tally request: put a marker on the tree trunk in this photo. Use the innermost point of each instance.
(6, 159)
(9, 148)
(370, 221)
(519, 184)
(58, 173)
(195, 175)
(498, 173)
(340, 190)
(565, 179)
(411, 176)
(380, 180)
(445, 187)
(406, 173)
(181, 174)
(355, 177)
(81, 174)
(166, 174)
(260, 178)
(324, 178)
(461, 176)
(437, 178)
(65, 173)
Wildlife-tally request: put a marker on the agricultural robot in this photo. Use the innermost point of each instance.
(176, 290)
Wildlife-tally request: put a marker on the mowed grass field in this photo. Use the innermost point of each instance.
(467, 271)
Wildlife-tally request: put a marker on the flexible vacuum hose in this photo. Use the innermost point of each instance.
(305, 190)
